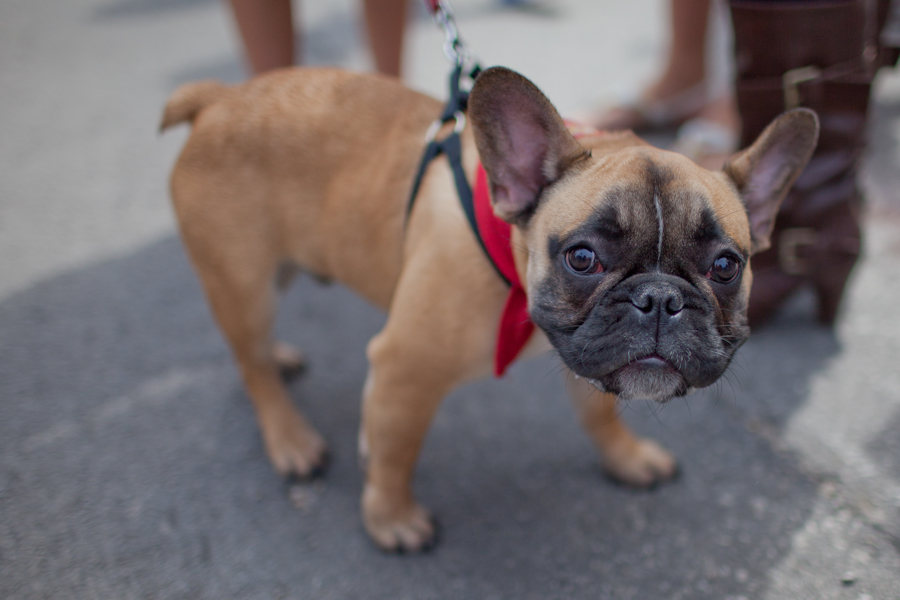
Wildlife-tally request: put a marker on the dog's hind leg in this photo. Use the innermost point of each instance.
(290, 359)
(239, 276)
(627, 458)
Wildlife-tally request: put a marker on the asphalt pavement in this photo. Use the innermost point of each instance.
(130, 462)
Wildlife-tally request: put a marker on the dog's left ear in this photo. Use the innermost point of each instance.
(522, 141)
(764, 172)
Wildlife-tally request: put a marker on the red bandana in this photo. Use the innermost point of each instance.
(515, 324)
(496, 234)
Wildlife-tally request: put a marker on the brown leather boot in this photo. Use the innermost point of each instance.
(822, 55)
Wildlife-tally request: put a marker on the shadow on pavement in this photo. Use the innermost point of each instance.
(131, 465)
(117, 9)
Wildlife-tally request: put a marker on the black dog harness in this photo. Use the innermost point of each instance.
(493, 234)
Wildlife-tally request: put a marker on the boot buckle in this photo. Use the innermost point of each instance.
(791, 79)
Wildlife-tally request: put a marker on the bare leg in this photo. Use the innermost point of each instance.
(687, 56)
(267, 29)
(385, 22)
(628, 458)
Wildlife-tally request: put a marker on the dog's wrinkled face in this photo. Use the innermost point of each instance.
(638, 259)
(638, 272)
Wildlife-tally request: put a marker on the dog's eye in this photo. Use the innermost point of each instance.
(583, 261)
(725, 269)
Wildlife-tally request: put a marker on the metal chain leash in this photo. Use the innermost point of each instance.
(454, 48)
(465, 70)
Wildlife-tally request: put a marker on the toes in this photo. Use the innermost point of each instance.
(418, 535)
(299, 455)
(434, 536)
(644, 466)
(321, 468)
(304, 470)
(658, 462)
(409, 530)
(410, 537)
(291, 361)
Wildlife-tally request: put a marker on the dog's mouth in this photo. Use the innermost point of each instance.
(651, 363)
(651, 377)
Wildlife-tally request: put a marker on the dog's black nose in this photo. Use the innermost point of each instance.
(657, 296)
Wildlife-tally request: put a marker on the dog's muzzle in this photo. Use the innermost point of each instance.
(653, 336)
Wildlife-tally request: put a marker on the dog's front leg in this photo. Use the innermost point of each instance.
(626, 457)
(403, 390)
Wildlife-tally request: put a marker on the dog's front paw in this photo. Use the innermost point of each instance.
(294, 447)
(640, 463)
(400, 527)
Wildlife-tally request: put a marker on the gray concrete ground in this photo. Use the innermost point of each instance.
(130, 463)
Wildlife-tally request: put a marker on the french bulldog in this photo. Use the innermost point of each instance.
(635, 261)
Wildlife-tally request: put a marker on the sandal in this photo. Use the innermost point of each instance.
(707, 143)
(638, 114)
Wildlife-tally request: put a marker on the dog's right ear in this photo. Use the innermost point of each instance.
(764, 172)
(522, 141)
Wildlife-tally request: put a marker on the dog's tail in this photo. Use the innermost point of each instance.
(188, 100)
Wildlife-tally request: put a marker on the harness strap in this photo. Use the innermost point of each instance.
(451, 146)
(432, 150)
(493, 235)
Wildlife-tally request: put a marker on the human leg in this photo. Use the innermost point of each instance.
(385, 22)
(267, 30)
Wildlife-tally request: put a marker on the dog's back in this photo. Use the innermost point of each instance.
(275, 163)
